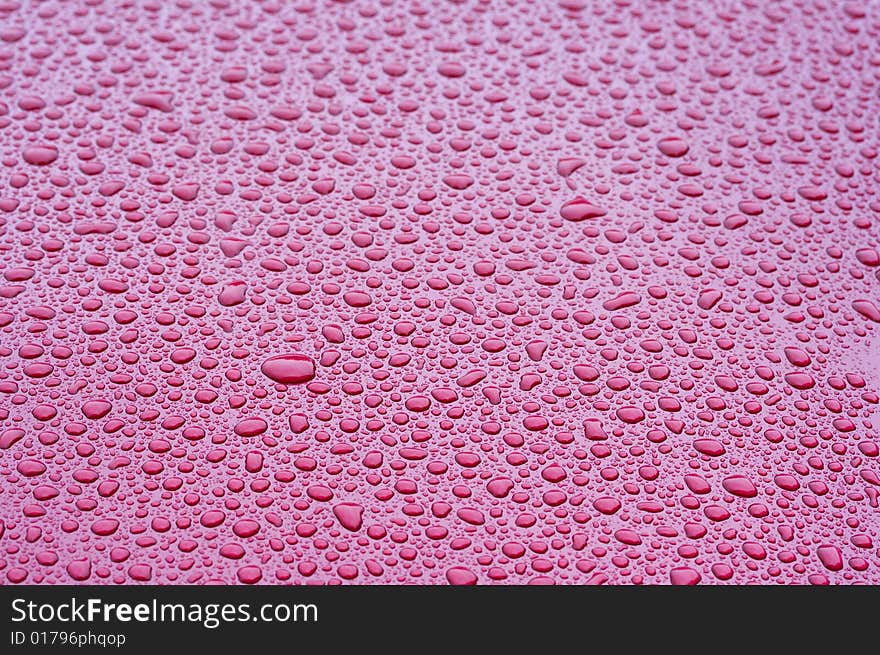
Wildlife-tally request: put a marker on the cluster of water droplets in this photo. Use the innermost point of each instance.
(439, 292)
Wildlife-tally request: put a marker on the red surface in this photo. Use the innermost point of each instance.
(402, 292)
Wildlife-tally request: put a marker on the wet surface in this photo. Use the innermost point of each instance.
(450, 292)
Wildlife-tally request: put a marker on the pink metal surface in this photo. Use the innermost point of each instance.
(439, 292)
